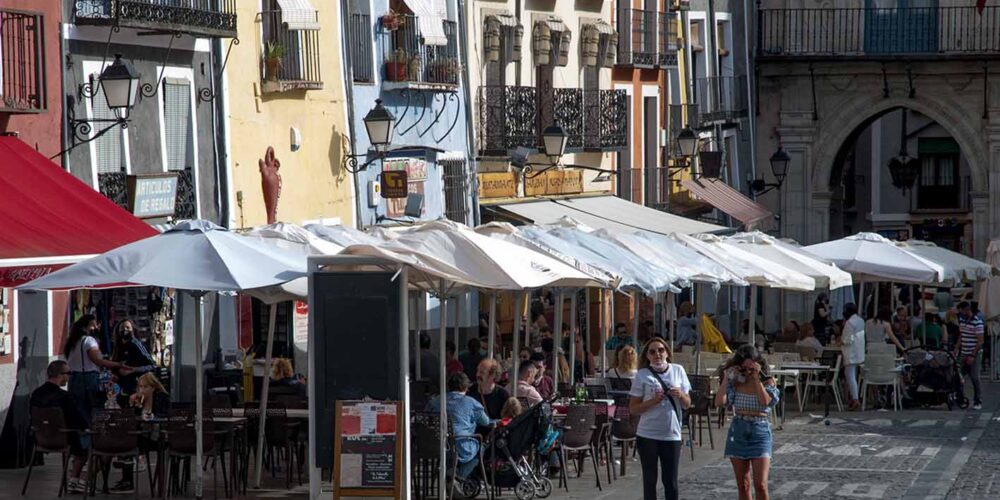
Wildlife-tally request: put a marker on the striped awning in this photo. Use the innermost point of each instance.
(504, 18)
(604, 28)
(298, 15)
(554, 24)
(723, 197)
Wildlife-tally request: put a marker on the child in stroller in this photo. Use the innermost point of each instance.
(933, 378)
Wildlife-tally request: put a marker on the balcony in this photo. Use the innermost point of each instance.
(410, 63)
(605, 120)
(679, 116)
(22, 62)
(721, 99)
(878, 33)
(669, 40)
(208, 18)
(637, 44)
(291, 59)
(655, 188)
(507, 119)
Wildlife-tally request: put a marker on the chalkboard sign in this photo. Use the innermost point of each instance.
(368, 449)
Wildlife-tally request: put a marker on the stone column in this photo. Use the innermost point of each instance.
(798, 137)
(981, 224)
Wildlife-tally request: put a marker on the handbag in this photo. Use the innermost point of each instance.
(96, 395)
(666, 390)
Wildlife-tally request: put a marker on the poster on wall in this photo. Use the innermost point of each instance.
(416, 176)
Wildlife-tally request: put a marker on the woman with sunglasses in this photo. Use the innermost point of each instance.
(658, 395)
(747, 387)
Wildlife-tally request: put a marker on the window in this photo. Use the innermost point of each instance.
(360, 44)
(291, 47)
(697, 43)
(22, 71)
(939, 185)
(109, 152)
(456, 190)
(178, 128)
(720, 38)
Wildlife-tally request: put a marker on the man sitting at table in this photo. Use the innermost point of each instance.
(52, 395)
(526, 376)
(466, 414)
(542, 383)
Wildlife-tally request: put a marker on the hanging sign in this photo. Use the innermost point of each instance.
(555, 182)
(152, 195)
(394, 184)
(497, 185)
(368, 449)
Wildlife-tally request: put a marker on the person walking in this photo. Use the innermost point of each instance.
(83, 354)
(746, 387)
(659, 393)
(852, 349)
(969, 349)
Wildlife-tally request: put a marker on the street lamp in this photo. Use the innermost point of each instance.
(554, 140)
(379, 124)
(779, 167)
(120, 84)
(687, 140)
(903, 168)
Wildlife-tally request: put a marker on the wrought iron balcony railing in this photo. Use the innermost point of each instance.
(507, 119)
(298, 66)
(721, 98)
(878, 32)
(22, 62)
(605, 120)
(637, 43)
(679, 116)
(212, 18)
(409, 59)
(669, 39)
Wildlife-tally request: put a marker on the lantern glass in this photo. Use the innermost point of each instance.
(380, 123)
(687, 140)
(779, 164)
(120, 84)
(554, 140)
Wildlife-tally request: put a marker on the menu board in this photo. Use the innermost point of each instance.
(368, 449)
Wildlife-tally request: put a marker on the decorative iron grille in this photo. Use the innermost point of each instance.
(507, 116)
(214, 18)
(456, 190)
(299, 66)
(637, 45)
(114, 186)
(359, 42)
(567, 111)
(856, 32)
(186, 203)
(409, 59)
(22, 62)
(605, 120)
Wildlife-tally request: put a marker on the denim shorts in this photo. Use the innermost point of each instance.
(749, 438)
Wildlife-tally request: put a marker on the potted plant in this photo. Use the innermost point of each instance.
(273, 52)
(415, 64)
(395, 66)
(392, 20)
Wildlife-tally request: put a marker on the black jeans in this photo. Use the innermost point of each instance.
(668, 454)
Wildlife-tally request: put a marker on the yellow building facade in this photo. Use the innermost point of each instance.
(286, 91)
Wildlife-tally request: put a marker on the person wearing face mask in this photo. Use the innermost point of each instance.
(659, 393)
(131, 352)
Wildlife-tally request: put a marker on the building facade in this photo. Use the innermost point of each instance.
(840, 85)
(286, 92)
(409, 57)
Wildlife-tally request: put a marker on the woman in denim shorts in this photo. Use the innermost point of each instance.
(747, 388)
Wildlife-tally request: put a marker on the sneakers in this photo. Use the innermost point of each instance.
(978, 405)
(124, 487)
(76, 485)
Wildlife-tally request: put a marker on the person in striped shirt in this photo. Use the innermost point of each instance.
(968, 350)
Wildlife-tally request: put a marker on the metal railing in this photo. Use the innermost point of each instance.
(605, 120)
(299, 66)
(668, 42)
(409, 59)
(656, 186)
(678, 117)
(456, 190)
(637, 45)
(22, 62)
(507, 118)
(721, 98)
(855, 32)
(359, 42)
(214, 18)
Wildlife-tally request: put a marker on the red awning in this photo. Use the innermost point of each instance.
(52, 219)
(723, 197)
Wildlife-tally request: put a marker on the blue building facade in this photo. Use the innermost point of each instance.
(409, 54)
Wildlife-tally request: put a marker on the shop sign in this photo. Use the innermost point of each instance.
(416, 173)
(152, 195)
(394, 184)
(554, 182)
(497, 185)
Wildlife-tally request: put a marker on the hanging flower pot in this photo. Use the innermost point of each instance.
(392, 21)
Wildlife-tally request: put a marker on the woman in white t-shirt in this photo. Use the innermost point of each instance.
(659, 393)
(83, 354)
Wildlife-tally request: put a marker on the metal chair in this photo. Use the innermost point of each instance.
(701, 405)
(821, 380)
(182, 444)
(578, 435)
(48, 427)
(114, 434)
(623, 431)
(425, 438)
(880, 370)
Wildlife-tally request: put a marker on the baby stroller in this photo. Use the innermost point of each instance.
(509, 460)
(933, 378)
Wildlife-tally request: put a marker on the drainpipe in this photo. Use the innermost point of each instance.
(470, 134)
(345, 54)
(220, 138)
(751, 77)
(517, 63)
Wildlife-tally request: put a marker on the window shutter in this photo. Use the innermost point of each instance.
(177, 117)
(109, 148)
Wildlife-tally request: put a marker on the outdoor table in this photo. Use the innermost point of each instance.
(782, 373)
(296, 413)
(812, 367)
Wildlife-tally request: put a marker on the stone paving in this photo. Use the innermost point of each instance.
(913, 454)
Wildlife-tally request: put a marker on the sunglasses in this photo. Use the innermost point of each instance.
(657, 350)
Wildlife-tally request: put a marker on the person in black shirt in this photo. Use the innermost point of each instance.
(52, 395)
(470, 359)
(486, 390)
(131, 352)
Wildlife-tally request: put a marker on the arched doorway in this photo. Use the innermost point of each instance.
(937, 208)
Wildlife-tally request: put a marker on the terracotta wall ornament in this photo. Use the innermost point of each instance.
(270, 184)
